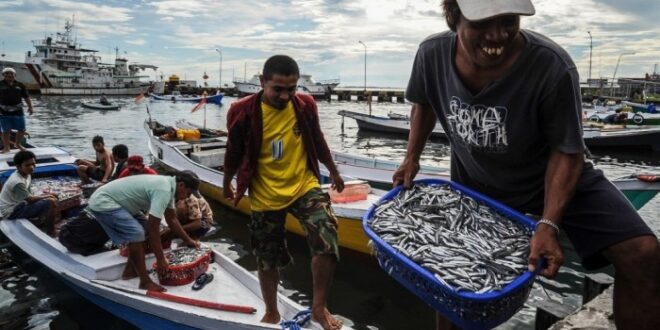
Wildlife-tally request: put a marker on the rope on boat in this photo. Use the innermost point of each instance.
(297, 321)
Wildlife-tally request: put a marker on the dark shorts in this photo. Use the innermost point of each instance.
(315, 214)
(24, 210)
(95, 173)
(7, 123)
(599, 216)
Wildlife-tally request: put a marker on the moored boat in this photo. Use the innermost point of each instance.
(99, 106)
(232, 300)
(177, 97)
(306, 85)
(385, 124)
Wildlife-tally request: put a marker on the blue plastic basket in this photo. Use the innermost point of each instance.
(466, 309)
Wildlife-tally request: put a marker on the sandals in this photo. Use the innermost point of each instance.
(202, 280)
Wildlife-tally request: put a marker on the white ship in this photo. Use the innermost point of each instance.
(63, 67)
(306, 85)
(23, 74)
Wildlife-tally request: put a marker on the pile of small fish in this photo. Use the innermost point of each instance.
(186, 255)
(64, 186)
(464, 243)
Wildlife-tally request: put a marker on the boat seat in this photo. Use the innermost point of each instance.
(211, 158)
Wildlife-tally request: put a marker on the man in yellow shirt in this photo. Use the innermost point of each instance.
(274, 147)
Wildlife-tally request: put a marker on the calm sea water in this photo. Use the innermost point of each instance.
(364, 295)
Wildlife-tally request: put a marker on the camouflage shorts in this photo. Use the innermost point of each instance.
(317, 219)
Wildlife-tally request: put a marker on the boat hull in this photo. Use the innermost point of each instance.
(98, 106)
(215, 99)
(93, 91)
(386, 125)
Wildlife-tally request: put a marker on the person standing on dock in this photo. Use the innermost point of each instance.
(11, 108)
(509, 100)
(274, 147)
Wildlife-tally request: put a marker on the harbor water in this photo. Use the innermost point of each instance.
(362, 294)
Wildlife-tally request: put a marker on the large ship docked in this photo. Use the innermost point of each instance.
(306, 85)
(62, 67)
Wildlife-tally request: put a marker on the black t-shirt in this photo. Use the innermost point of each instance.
(502, 136)
(12, 96)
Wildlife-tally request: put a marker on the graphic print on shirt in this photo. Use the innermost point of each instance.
(277, 147)
(478, 127)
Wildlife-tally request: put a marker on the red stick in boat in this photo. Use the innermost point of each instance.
(202, 303)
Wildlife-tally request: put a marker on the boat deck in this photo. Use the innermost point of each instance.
(45, 156)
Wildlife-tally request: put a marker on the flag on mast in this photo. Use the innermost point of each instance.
(201, 102)
(139, 98)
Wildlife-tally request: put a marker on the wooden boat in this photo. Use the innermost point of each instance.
(206, 157)
(638, 188)
(99, 106)
(385, 124)
(177, 97)
(629, 138)
(98, 278)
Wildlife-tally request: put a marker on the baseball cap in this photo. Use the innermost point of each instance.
(5, 70)
(135, 162)
(477, 10)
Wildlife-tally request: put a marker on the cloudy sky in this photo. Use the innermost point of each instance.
(180, 36)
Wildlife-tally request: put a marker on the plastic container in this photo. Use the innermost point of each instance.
(468, 310)
(183, 274)
(187, 134)
(351, 193)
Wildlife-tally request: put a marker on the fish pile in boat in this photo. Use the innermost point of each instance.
(186, 255)
(64, 186)
(464, 243)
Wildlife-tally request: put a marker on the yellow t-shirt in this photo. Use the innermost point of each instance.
(282, 173)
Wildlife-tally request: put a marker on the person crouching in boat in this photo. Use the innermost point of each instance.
(194, 214)
(117, 207)
(18, 202)
(135, 166)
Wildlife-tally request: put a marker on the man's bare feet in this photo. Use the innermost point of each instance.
(327, 320)
(129, 272)
(273, 318)
(151, 286)
(21, 147)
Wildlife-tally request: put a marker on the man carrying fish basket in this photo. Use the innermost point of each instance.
(509, 100)
(274, 147)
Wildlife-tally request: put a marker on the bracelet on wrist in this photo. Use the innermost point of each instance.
(549, 223)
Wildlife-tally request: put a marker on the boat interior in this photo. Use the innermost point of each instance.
(231, 283)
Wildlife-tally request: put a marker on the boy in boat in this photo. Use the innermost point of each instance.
(135, 166)
(194, 214)
(17, 200)
(118, 205)
(99, 169)
(274, 147)
(119, 156)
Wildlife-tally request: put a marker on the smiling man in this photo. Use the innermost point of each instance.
(509, 100)
(274, 147)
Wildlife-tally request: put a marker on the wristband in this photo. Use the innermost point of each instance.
(549, 223)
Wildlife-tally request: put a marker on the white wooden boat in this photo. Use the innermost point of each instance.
(99, 106)
(386, 124)
(206, 158)
(306, 85)
(46, 156)
(98, 278)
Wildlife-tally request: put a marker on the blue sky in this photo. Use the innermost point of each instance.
(180, 36)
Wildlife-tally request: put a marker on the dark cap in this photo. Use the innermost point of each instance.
(189, 179)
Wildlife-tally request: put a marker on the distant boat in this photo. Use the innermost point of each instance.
(60, 68)
(177, 97)
(396, 125)
(99, 106)
(628, 138)
(306, 85)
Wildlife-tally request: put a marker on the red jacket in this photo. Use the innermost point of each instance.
(245, 135)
